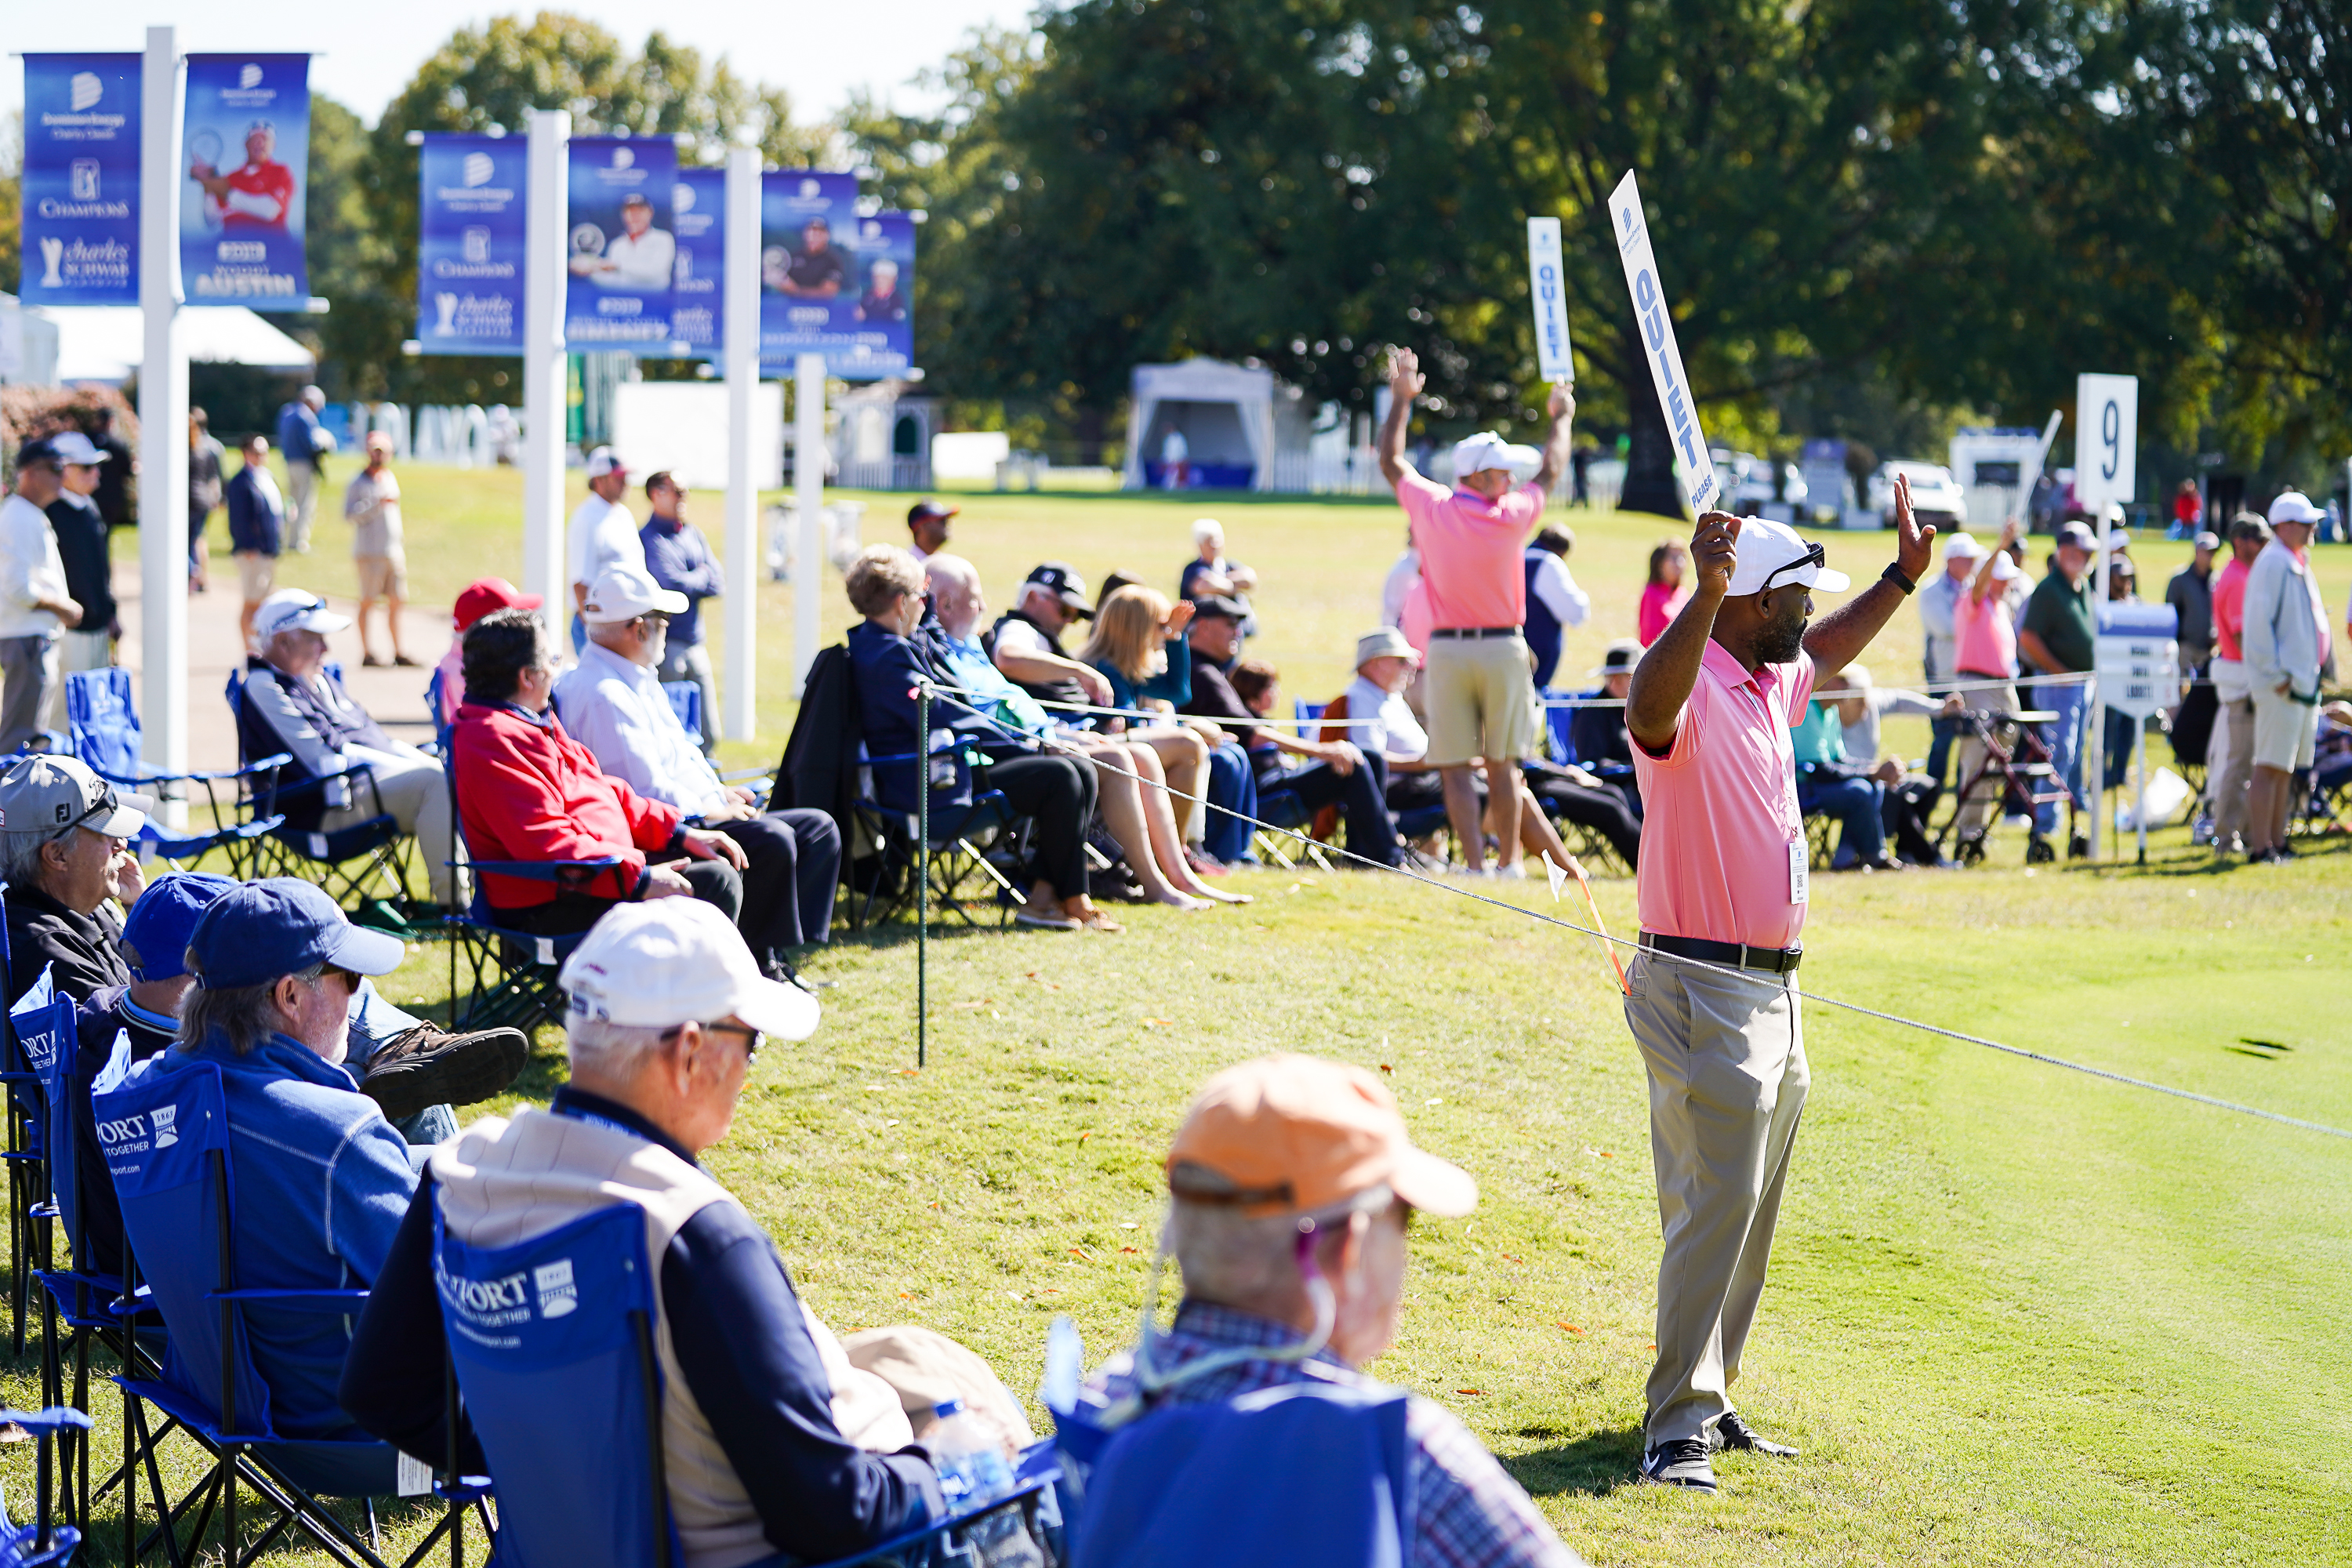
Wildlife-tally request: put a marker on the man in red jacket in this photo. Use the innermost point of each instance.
(528, 792)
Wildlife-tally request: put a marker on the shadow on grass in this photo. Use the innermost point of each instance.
(1593, 1465)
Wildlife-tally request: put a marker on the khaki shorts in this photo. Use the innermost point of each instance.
(255, 574)
(1481, 697)
(382, 576)
(2286, 731)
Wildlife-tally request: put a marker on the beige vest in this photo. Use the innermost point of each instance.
(504, 1182)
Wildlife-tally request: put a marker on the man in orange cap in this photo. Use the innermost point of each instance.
(1294, 1182)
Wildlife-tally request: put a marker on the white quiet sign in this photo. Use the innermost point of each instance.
(1658, 344)
(2106, 440)
(1546, 289)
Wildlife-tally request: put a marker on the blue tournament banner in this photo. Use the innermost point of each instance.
(623, 243)
(697, 316)
(81, 180)
(882, 320)
(808, 279)
(245, 151)
(470, 243)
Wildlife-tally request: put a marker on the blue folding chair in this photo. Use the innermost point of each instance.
(512, 974)
(685, 702)
(973, 835)
(103, 723)
(552, 1343)
(1304, 1472)
(166, 1137)
(40, 1544)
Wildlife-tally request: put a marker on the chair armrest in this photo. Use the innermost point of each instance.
(542, 870)
(332, 1303)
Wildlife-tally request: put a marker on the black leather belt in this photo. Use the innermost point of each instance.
(1737, 955)
(1474, 634)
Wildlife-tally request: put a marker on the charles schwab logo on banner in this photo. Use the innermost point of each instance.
(81, 180)
(623, 246)
(246, 162)
(469, 251)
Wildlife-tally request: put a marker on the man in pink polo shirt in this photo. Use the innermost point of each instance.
(1478, 679)
(1722, 885)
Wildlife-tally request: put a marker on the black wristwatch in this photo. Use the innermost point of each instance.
(1894, 574)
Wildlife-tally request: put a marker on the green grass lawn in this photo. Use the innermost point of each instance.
(2017, 1314)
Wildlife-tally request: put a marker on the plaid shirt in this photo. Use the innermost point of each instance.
(1467, 1513)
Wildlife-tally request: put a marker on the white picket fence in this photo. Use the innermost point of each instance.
(470, 436)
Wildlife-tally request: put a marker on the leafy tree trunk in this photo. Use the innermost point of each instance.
(1650, 446)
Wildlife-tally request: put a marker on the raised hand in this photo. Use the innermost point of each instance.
(1914, 540)
(1715, 552)
(1405, 380)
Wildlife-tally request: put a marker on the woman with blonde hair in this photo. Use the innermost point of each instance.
(1135, 631)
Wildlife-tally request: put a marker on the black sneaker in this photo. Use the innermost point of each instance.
(427, 1065)
(1682, 1462)
(1734, 1432)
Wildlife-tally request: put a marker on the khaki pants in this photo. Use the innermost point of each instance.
(417, 794)
(2230, 764)
(1980, 801)
(301, 504)
(1725, 1057)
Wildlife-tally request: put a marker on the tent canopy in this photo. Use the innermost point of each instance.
(106, 342)
(1225, 413)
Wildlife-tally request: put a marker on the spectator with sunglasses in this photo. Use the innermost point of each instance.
(64, 849)
(322, 1179)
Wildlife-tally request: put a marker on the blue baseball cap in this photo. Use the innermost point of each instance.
(155, 933)
(280, 926)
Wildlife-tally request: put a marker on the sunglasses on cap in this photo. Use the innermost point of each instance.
(1814, 555)
(104, 806)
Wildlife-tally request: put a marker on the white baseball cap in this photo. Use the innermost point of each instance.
(1771, 556)
(678, 960)
(73, 446)
(604, 460)
(2293, 506)
(295, 609)
(1963, 547)
(2004, 570)
(1488, 451)
(624, 593)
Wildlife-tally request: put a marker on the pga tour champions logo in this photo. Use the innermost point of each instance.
(83, 89)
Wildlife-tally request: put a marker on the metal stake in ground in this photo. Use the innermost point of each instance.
(923, 878)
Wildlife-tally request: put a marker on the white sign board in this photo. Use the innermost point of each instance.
(1658, 345)
(2138, 658)
(2106, 440)
(681, 426)
(1547, 290)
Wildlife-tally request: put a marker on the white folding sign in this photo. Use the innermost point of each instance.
(1658, 343)
(2106, 440)
(1545, 288)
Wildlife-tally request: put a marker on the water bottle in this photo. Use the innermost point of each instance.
(973, 1471)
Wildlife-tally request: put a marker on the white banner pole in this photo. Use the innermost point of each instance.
(162, 428)
(1658, 345)
(808, 474)
(743, 352)
(543, 565)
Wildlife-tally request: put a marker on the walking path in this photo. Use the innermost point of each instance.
(395, 696)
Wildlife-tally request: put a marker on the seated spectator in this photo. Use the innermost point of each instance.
(1026, 644)
(482, 596)
(777, 1442)
(1554, 600)
(322, 1179)
(1340, 773)
(1909, 798)
(1209, 574)
(528, 791)
(1133, 788)
(413, 1070)
(1056, 792)
(1598, 734)
(1135, 628)
(292, 705)
(1667, 591)
(64, 849)
(1829, 785)
(613, 703)
(1288, 1159)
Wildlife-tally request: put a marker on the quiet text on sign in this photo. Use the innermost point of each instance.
(1658, 344)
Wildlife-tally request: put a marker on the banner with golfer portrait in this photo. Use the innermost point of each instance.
(622, 245)
(806, 281)
(469, 244)
(244, 155)
(81, 180)
(697, 315)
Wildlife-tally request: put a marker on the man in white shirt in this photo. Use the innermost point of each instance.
(2286, 641)
(613, 703)
(34, 608)
(601, 534)
(639, 258)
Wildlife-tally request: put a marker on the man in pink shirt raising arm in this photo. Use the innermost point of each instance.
(1711, 998)
(1479, 680)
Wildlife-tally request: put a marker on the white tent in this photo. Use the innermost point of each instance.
(1225, 413)
(106, 342)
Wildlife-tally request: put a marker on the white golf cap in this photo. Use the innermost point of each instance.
(1488, 451)
(678, 960)
(1963, 547)
(2004, 570)
(2118, 541)
(73, 446)
(1771, 556)
(604, 460)
(295, 609)
(2293, 506)
(624, 593)
(48, 793)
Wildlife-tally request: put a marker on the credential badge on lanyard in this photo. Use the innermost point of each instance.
(1799, 868)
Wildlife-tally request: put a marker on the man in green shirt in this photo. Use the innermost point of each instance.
(2057, 638)
(1828, 785)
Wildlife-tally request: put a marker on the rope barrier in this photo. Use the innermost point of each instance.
(959, 695)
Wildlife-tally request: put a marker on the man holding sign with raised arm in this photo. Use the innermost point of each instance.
(1722, 884)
